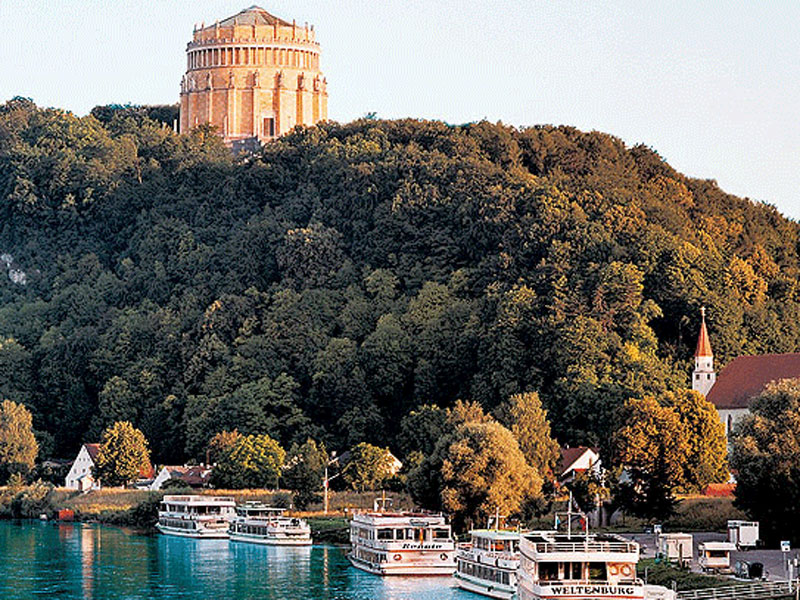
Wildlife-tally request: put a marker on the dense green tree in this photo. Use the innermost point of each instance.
(475, 470)
(422, 428)
(253, 461)
(379, 265)
(706, 461)
(123, 455)
(304, 470)
(766, 447)
(524, 416)
(652, 447)
(368, 468)
(18, 447)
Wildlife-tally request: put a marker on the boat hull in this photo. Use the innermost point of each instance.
(579, 592)
(197, 534)
(445, 569)
(269, 541)
(492, 590)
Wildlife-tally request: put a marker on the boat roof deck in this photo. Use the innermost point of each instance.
(401, 518)
(197, 499)
(548, 542)
(497, 534)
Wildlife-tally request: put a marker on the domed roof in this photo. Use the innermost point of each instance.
(255, 15)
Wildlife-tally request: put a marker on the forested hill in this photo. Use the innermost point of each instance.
(354, 272)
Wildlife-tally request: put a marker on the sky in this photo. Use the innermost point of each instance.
(712, 86)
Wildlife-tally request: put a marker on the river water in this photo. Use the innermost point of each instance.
(93, 562)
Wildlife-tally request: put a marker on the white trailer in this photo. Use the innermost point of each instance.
(744, 534)
(715, 556)
(676, 547)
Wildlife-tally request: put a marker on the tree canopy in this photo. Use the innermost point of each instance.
(766, 456)
(123, 455)
(351, 273)
(251, 461)
(18, 446)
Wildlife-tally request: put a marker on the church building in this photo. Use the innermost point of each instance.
(744, 378)
(254, 77)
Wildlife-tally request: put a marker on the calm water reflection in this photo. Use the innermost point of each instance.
(48, 560)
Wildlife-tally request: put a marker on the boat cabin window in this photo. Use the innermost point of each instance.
(573, 570)
(441, 534)
(499, 546)
(548, 571)
(385, 534)
(597, 571)
(420, 536)
(717, 553)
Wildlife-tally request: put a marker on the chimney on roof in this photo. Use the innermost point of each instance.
(704, 376)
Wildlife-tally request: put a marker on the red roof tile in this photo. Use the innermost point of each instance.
(746, 376)
(570, 455)
(93, 450)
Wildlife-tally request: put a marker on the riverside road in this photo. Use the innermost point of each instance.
(772, 558)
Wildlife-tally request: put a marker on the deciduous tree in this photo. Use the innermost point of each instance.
(304, 471)
(766, 456)
(254, 461)
(369, 467)
(524, 416)
(18, 447)
(123, 456)
(483, 470)
(707, 457)
(652, 446)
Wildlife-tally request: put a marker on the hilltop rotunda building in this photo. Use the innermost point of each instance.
(253, 76)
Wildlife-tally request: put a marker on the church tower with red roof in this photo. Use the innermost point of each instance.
(704, 376)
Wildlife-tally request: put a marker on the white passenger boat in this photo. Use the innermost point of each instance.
(488, 564)
(402, 543)
(566, 566)
(261, 524)
(196, 516)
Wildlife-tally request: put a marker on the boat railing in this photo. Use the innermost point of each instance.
(585, 546)
(489, 554)
(558, 582)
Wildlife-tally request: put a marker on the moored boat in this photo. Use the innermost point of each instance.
(559, 566)
(488, 564)
(402, 543)
(196, 516)
(260, 524)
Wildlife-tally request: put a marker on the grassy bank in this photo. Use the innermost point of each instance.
(138, 509)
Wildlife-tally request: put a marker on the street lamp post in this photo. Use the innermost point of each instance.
(326, 481)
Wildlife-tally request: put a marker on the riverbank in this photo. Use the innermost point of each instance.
(138, 509)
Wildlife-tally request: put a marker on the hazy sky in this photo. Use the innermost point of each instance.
(714, 87)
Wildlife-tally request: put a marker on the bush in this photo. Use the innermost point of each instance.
(281, 500)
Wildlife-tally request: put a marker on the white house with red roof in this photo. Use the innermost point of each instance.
(744, 378)
(80, 475)
(577, 460)
(195, 476)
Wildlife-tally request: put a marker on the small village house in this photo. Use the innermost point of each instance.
(194, 476)
(577, 460)
(80, 476)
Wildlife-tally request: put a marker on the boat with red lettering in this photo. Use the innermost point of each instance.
(402, 543)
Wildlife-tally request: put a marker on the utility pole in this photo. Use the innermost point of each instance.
(326, 480)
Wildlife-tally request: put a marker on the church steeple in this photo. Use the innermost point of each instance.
(703, 343)
(703, 377)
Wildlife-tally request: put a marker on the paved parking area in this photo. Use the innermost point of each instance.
(772, 558)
